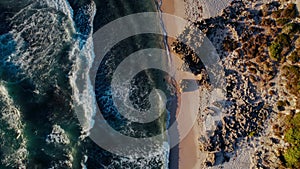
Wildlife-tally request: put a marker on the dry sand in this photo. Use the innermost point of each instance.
(213, 8)
(188, 149)
(173, 7)
(187, 155)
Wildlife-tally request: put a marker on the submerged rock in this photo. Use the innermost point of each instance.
(57, 135)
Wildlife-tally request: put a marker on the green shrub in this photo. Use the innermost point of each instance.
(292, 136)
(282, 21)
(292, 157)
(280, 47)
(251, 134)
(291, 28)
(275, 51)
(283, 39)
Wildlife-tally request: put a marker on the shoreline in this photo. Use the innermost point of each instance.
(184, 155)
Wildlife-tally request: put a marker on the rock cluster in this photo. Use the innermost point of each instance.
(57, 135)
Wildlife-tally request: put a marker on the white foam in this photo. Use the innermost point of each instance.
(46, 33)
(14, 153)
(84, 95)
(60, 5)
(83, 90)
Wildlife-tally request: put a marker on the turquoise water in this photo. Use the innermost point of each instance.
(39, 44)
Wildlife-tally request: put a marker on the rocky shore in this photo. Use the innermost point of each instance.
(258, 42)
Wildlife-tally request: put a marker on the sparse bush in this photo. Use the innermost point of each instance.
(268, 8)
(267, 22)
(281, 105)
(292, 73)
(277, 14)
(292, 136)
(290, 11)
(265, 10)
(295, 56)
(230, 44)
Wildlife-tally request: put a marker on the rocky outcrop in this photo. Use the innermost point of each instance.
(257, 87)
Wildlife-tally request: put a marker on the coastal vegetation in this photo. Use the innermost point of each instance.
(279, 47)
(291, 28)
(285, 48)
(292, 136)
(284, 51)
(275, 51)
(272, 47)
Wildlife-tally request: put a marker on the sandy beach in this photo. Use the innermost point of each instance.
(186, 154)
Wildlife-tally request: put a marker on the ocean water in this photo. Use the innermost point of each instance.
(42, 44)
